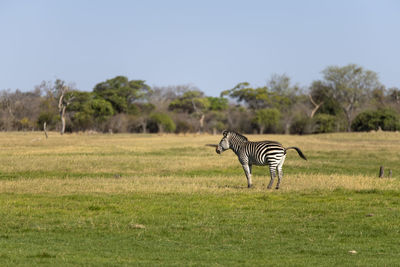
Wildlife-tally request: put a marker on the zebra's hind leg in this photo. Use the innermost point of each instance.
(280, 171)
(272, 171)
(247, 171)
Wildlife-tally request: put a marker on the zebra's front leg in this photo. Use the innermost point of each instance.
(272, 171)
(247, 171)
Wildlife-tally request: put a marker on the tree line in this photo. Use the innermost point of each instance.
(347, 98)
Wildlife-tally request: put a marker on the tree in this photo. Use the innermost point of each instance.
(89, 111)
(193, 102)
(100, 109)
(215, 113)
(255, 98)
(7, 101)
(162, 96)
(145, 110)
(63, 101)
(385, 119)
(264, 103)
(163, 122)
(46, 117)
(267, 118)
(324, 123)
(19, 110)
(320, 95)
(350, 87)
(217, 103)
(394, 95)
(283, 97)
(122, 93)
(280, 84)
(58, 96)
(316, 106)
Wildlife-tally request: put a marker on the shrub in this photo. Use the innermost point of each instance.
(101, 109)
(82, 121)
(386, 119)
(183, 127)
(301, 125)
(50, 118)
(162, 121)
(23, 124)
(267, 119)
(324, 123)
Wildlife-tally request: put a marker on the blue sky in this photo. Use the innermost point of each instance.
(212, 45)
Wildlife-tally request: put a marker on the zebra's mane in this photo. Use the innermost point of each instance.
(242, 137)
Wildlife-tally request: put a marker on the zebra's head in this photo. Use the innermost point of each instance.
(231, 140)
(224, 143)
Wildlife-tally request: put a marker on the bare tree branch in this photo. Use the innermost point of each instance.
(201, 113)
(62, 106)
(316, 106)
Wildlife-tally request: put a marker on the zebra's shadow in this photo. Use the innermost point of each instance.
(231, 187)
(244, 187)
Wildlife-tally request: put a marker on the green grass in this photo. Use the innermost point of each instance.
(98, 200)
(202, 229)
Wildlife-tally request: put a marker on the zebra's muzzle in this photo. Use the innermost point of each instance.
(216, 148)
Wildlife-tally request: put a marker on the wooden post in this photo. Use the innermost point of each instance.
(381, 172)
(45, 130)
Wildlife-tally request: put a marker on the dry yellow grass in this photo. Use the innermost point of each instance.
(82, 163)
(297, 183)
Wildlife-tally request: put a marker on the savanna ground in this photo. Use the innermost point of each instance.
(170, 200)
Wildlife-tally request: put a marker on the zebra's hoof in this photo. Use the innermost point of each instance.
(249, 186)
(276, 188)
(268, 187)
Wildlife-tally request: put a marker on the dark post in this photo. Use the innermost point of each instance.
(45, 129)
(381, 172)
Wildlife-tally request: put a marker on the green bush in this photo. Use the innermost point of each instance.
(301, 125)
(386, 119)
(267, 119)
(183, 127)
(162, 122)
(324, 123)
(100, 109)
(50, 118)
(82, 121)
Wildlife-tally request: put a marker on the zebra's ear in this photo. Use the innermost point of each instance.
(225, 133)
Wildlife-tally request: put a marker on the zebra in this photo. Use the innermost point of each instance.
(249, 153)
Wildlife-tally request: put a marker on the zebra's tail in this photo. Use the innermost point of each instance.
(298, 151)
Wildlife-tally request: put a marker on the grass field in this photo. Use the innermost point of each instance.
(169, 200)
